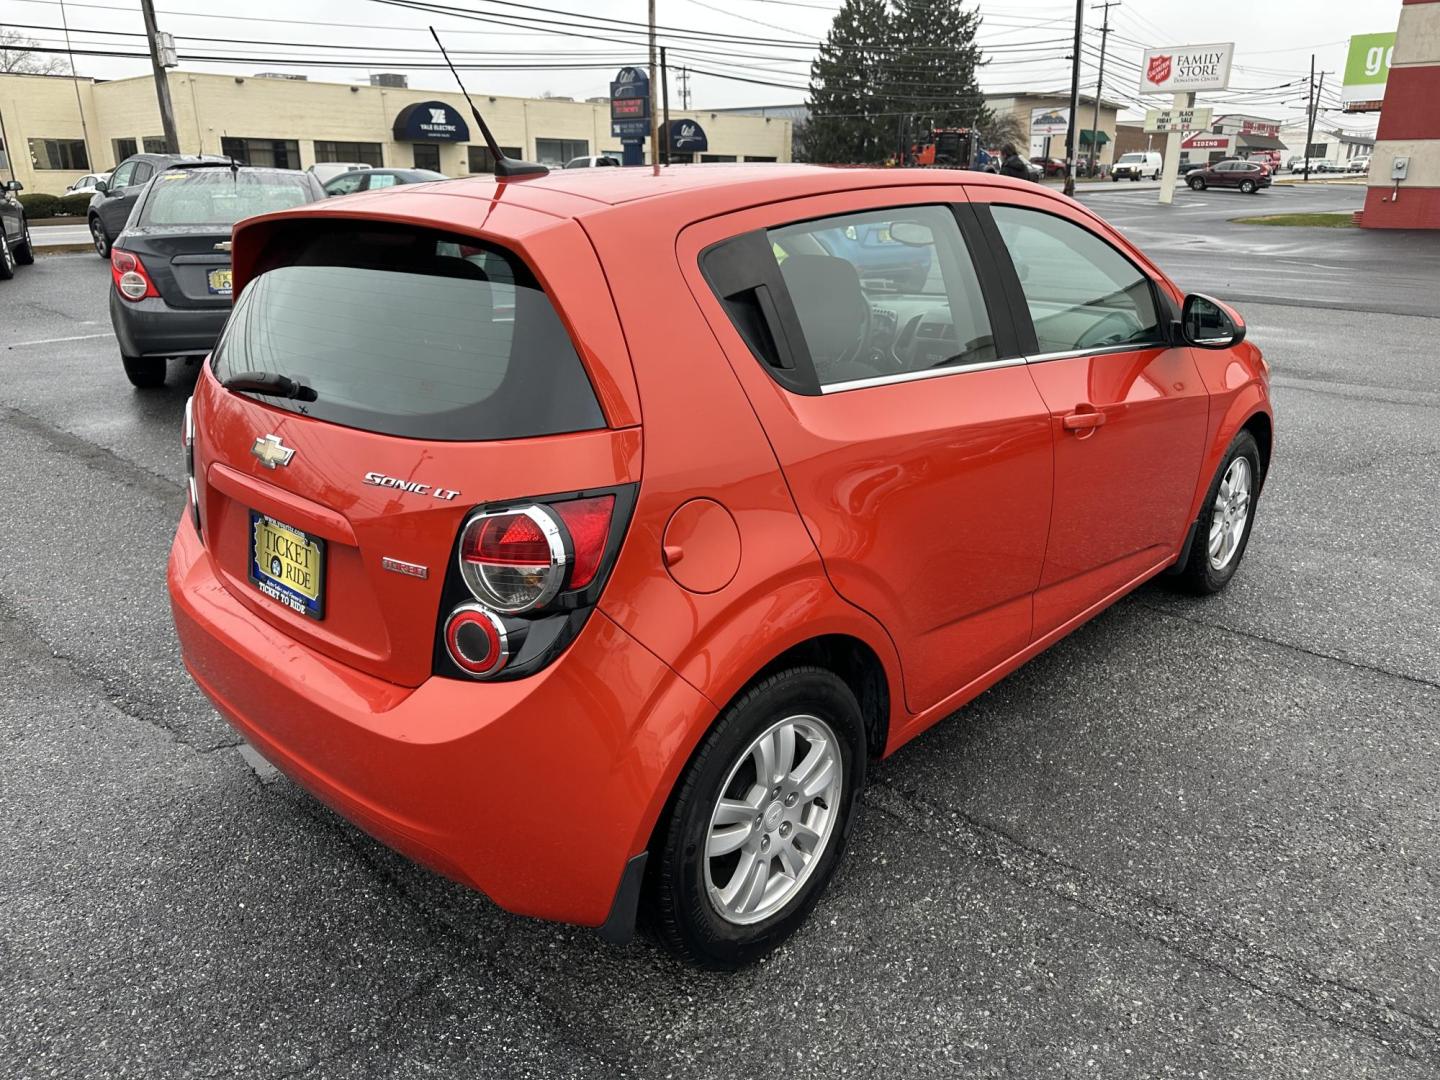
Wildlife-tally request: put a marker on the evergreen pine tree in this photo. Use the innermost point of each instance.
(847, 88)
(889, 66)
(937, 62)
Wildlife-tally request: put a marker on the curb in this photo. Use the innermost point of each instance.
(62, 249)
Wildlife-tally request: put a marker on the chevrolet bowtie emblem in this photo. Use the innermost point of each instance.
(271, 451)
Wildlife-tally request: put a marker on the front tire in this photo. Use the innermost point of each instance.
(1248, 187)
(1197, 183)
(759, 819)
(100, 237)
(144, 372)
(1226, 518)
(7, 259)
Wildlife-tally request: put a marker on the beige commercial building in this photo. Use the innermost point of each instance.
(51, 139)
(1026, 106)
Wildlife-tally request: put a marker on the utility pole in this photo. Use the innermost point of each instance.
(654, 112)
(685, 88)
(90, 162)
(1100, 84)
(162, 84)
(665, 97)
(1070, 139)
(1310, 116)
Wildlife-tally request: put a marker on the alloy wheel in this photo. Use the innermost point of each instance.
(1230, 513)
(7, 257)
(774, 818)
(102, 244)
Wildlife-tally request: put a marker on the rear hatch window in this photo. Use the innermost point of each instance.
(410, 333)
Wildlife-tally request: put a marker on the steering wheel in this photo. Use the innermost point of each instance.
(1114, 329)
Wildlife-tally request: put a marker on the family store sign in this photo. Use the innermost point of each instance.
(1187, 69)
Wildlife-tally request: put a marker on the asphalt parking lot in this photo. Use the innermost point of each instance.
(1195, 839)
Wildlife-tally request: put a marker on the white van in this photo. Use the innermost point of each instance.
(1148, 164)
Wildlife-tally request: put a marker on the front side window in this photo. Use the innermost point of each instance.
(884, 292)
(122, 176)
(411, 333)
(1081, 292)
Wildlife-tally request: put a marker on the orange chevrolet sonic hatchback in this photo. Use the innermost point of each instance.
(583, 536)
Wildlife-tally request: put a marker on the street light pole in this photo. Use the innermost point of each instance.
(1070, 139)
(162, 84)
(1100, 85)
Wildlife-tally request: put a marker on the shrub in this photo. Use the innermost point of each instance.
(73, 205)
(40, 205)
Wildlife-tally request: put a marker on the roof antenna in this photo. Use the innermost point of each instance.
(504, 166)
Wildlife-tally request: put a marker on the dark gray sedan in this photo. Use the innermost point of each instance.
(171, 266)
(375, 179)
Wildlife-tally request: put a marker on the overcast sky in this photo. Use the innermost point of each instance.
(768, 41)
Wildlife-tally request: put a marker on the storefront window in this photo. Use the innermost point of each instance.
(559, 151)
(427, 156)
(262, 153)
(59, 154)
(719, 157)
(757, 157)
(4, 156)
(362, 153)
(155, 144)
(124, 148)
(481, 160)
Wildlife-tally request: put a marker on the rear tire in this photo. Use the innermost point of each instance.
(1197, 183)
(7, 259)
(144, 372)
(705, 907)
(100, 237)
(25, 250)
(1226, 517)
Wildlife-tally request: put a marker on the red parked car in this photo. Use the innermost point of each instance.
(1248, 176)
(586, 536)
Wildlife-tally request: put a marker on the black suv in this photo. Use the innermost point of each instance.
(113, 200)
(15, 246)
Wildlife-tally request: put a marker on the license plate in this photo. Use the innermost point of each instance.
(287, 565)
(219, 281)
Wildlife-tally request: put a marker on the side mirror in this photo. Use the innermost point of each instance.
(14, 185)
(102, 186)
(1206, 323)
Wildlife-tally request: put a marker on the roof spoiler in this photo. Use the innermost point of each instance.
(505, 167)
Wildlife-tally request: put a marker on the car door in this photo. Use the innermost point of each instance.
(913, 440)
(1129, 410)
(11, 217)
(120, 199)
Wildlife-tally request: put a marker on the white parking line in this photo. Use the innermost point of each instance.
(55, 340)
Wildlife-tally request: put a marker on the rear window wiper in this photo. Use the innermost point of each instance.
(270, 384)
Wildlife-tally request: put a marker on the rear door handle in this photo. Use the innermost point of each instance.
(1084, 418)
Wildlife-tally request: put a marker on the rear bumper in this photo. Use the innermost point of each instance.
(152, 327)
(537, 792)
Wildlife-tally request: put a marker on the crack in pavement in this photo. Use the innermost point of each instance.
(1249, 635)
(129, 473)
(1330, 1000)
(25, 636)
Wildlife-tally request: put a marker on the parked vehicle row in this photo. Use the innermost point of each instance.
(438, 569)
(16, 248)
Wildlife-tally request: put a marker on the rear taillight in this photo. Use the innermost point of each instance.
(477, 640)
(187, 438)
(525, 578)
(128, 273)
(514, 560)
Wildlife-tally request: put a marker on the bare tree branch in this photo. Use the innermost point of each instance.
(18, 57)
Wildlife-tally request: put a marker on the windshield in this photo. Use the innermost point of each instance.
(221, 197)
(411, 333)
(1132, 158)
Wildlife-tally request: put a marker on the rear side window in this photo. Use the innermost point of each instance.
(411, 333)
(1081, 292)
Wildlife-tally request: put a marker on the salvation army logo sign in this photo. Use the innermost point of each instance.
(1159, 69)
